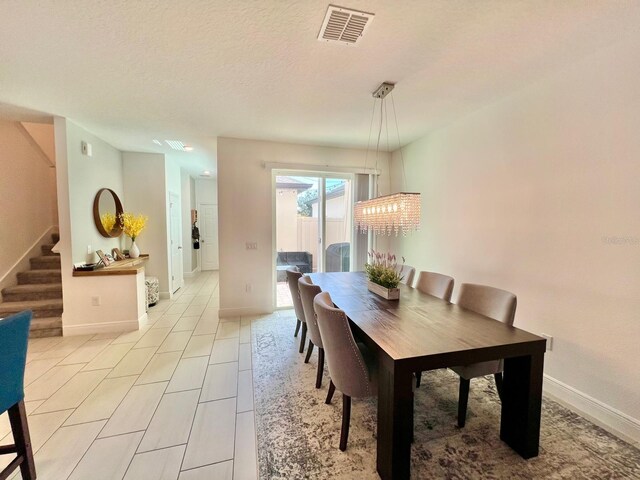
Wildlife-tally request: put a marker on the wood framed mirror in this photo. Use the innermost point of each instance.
(107, 209)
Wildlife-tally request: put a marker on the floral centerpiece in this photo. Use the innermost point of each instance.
(384, 274)
(132, 226)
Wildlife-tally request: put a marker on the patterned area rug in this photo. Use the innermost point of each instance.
(298, 434)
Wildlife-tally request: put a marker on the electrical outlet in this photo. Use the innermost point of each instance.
(95, 301)
(248, 288)
(549, 339)
(252, 245)
(89, 250)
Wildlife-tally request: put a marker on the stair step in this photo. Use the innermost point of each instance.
(46, 249)
(45, 262)
(40, 308)
(39, 276)
(55, 237)
(33, 291)
(46, 327)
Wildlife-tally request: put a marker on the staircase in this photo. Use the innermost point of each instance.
(38, 290)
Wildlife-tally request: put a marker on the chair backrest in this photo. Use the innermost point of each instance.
(308, 291)
(488, 301)
(346, 365)
(435, 284)
(293, 275)
(14, 338)
(407, 273)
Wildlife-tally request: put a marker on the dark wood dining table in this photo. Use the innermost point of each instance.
(419, 332)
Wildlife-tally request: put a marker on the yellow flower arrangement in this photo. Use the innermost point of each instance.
(108, 221)
(132, 224)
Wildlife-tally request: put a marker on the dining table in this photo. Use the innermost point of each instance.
(419, 332)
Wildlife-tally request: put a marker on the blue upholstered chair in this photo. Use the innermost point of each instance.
(14, 335)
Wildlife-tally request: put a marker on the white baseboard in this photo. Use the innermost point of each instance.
(192, 273)
(105, 327)
(241, 312)
(603, 415)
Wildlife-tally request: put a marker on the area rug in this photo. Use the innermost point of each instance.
(298, 434)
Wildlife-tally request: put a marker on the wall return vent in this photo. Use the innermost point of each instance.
(344, 25)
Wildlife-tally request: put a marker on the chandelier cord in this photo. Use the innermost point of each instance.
(404, 174)
(378, 146)
(373, 114)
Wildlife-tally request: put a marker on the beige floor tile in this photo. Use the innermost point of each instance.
(212, 434)
(160, 368)
(220, 382)
(225, 350)
(41, 427)
(162, 306)
(157, 465)
(228, 330)
(103, 401)
(219, 471)
(172, 421)
(136, 410)
(194, 310)
(131, 337)
(50, 383)
(153, 338)
(109, 357)
(177, 308)
(184, 298)
(62, 452)
(245, 391)
(106, 335)
(200, 300)
(73, 393)
(86, 352)
(176, 341)
(167, 321)
(61, 350)
(244, 356)
(245, 465)
(210, 314)
(186, 324)
(206, 327)
(37, 368)
(245, 333)
(189, 374)
(31, 356)
(107, 458)
(133, 363)
(39, 345)
(199, 346)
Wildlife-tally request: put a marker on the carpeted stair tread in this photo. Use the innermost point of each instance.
(45, 262)
(40, 308)
(32, 291)
(39, 276)
(46, 250)
(46, 327)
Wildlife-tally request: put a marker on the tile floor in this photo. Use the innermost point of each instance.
(171, 401)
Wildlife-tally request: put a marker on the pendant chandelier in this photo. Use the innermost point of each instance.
(388, 214)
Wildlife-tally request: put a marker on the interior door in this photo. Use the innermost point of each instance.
(209, 236)
(176, 242)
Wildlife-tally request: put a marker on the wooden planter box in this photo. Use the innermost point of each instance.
(388, 293)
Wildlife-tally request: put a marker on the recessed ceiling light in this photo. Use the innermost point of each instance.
(188, 148)
(206, 172)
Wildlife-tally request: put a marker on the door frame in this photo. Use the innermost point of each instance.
(201, 221)
(174, 202)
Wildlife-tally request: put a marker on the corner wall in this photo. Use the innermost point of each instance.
(538, 194)
(246, 214)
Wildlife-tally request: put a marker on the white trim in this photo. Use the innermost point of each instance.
(240, 312)
(603, 415)
(305, 167)
(192, 273)
(105, 327)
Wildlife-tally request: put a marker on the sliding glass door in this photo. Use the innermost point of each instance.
(313, 225)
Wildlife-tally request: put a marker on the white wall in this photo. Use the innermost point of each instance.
(246, 214)
(145, 191)
(539, 194)
(27, 193)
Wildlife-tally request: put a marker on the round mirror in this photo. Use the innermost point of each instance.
(107, 209)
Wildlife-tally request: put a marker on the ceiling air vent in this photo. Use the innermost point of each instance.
(344, 25)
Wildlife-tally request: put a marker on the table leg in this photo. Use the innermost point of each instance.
(395, 418)
(522, 403)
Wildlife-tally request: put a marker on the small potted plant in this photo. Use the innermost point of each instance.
(384, 275)
(132, 225)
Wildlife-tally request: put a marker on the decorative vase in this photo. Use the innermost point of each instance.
(386, 293)
(134, 251)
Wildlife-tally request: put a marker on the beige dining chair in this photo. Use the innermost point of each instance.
(408, 273)
(436, 285)
(293, 275)
(493, 303)
(353, 368)
(308, 291)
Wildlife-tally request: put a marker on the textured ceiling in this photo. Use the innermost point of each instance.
(130, 71)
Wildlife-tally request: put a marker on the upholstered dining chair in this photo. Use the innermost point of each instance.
(14, 336)
(436, 285)
(308, 291)
(493, 303)
(408, 273)
(353, 368)
(293, 275)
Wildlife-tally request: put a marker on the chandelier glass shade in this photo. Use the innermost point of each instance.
(389, 214)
